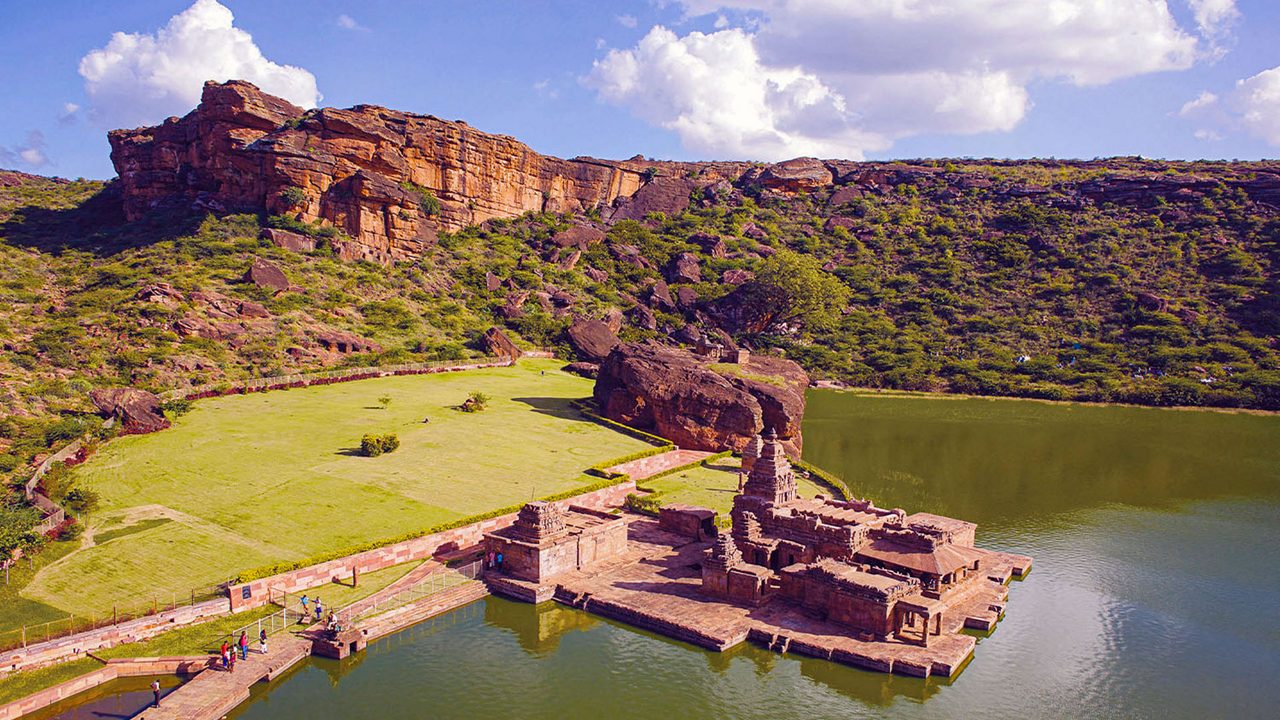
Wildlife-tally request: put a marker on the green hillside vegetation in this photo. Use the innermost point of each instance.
(978, 278)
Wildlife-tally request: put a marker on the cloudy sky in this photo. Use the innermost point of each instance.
(682, 79)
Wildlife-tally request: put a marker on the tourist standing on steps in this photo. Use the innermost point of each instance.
(244, 645)
(225, 662)
(232, 666)
(155, 690)
(262, 641)
(497, 561)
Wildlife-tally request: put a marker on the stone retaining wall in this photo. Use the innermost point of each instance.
(74, 646)
(117, 668)
(261, 591)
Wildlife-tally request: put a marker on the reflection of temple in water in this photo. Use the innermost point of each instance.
(538, 628)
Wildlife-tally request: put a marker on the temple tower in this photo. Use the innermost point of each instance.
(771, 477)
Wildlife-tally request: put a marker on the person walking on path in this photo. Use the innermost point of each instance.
(262, 641)
(304, 609)
(244, 645)
(155, 691)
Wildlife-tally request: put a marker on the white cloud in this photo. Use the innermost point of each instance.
(1207, 135)
(1204, 100)
(1214, 17)
(30, 153)
(627, 21)
(1257, 101)
(876, 71)
(346, 22)
(140, 78)
(713, 91)
(70, 113)
(544, 89)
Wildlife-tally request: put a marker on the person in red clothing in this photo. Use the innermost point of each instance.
(244, 645)
(225, 660)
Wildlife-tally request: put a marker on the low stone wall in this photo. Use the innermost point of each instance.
(259, 592)
(74, 646)
(114, 669)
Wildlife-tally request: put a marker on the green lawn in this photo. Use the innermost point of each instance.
(18, 685)
(244, 481)
(713, 486)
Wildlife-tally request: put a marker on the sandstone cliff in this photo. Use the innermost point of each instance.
(366, 170)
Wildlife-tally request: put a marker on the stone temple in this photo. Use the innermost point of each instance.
(840, 580)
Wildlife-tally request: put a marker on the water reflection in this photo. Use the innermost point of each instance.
(539, 628)
(1002, 462)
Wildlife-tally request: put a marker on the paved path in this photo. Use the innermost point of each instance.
(654, 464)
(214, 693)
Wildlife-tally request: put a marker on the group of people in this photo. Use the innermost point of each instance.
(493, 561)
(241, 648)
(316, 605)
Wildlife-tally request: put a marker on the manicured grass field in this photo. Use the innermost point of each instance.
(713, 486)
(244, 481)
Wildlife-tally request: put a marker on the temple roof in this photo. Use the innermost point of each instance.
(944, 559)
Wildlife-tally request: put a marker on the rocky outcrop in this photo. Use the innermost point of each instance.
(367, 170)
(392, 180)
(137, 411)
(592, 339)
(676, 394)
(496, 342)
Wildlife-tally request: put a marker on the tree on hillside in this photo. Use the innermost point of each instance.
(792, 288)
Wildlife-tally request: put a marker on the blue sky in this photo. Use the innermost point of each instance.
(681, 79)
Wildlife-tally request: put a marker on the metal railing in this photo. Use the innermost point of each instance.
(430, 585)
(43, 632)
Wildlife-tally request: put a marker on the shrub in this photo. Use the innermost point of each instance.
(475, 402)
(176, 408)
(375, 445)
(81, 501)
(384, 401)
(294, 196)
(427, 200)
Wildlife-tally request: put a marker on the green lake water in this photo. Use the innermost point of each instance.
(1155, 591)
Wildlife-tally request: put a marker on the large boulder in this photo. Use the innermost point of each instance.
(592, 339)
(684, 268)
(798, 175)
(267, 275)
(137, 411)
(496, 342)
(673, 393)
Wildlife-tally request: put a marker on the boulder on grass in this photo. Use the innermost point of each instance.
(137, 411)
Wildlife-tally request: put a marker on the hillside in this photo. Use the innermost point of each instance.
(1121, 280)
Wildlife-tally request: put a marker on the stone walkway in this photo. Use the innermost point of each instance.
(654, 464)
(214, 693)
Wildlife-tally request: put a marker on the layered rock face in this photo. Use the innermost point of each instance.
(364, 170)
(678, 395)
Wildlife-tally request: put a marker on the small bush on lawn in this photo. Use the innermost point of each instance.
(475, 402)
(375, 445)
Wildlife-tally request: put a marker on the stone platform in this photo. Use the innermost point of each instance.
(657, 586)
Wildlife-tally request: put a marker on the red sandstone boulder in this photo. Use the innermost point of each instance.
(496, 342)
(674, 393)
(138, 411)
(585, 369)
(736, 276)
(798, 175)
(288, 240)
(684, 268)
(248, 308)
(579, 236)
(592, 339)
(267, 275)
(664, 195)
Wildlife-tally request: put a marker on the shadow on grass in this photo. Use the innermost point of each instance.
(553, 406)
(350, 452)
(723, 467)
